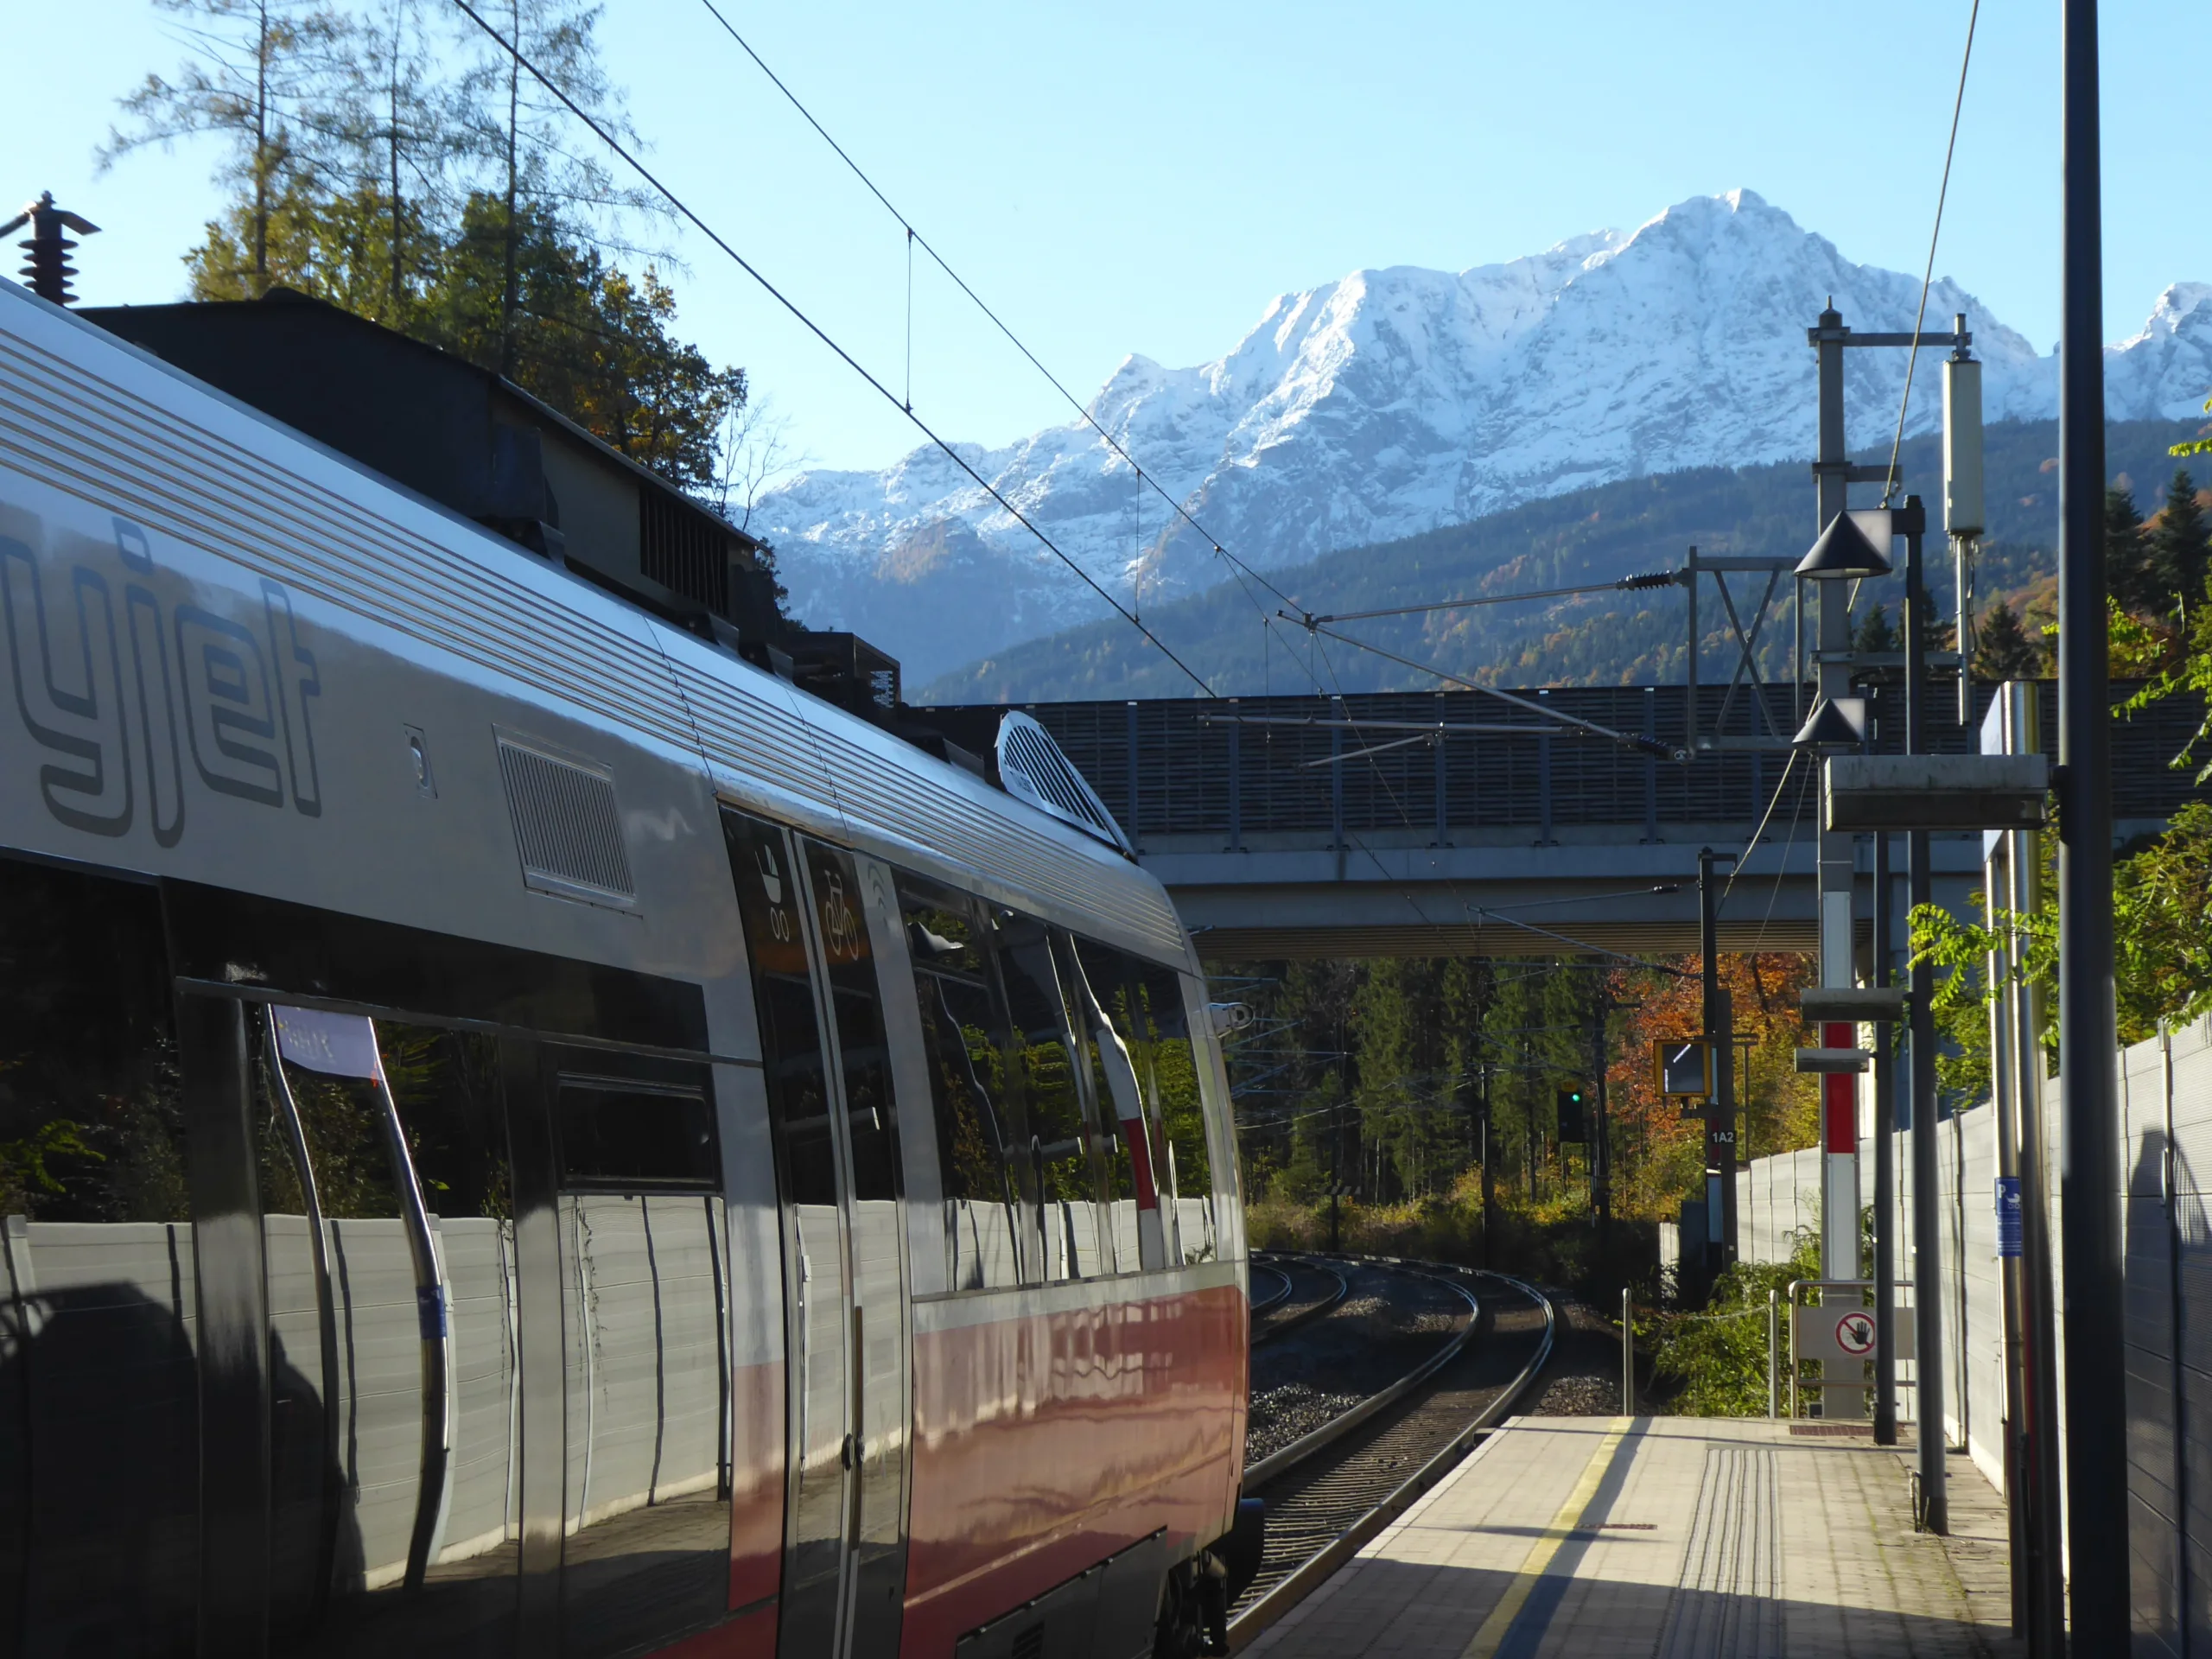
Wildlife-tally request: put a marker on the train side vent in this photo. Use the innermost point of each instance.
(567, 825)
(1032, 769)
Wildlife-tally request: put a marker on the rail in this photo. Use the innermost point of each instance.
(1262, 1304)
(1337, 1427)
(1270, 1606)
(1306, 1315)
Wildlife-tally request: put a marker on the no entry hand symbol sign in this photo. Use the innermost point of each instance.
(1854, 1333)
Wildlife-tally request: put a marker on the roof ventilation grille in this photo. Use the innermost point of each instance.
(1032, 769)
(567, 825)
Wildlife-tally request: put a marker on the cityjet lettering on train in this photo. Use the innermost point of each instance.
(124, 693)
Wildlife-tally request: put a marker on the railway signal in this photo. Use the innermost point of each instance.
(1571, 1125)
(1681, 1068)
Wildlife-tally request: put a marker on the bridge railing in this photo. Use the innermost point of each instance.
(1189, 767)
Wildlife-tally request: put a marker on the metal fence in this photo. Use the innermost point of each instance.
(1184, 767)
(2166, 1147)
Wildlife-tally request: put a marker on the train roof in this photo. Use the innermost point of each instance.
(90, 414)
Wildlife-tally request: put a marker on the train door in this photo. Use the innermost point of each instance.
(830, 1101)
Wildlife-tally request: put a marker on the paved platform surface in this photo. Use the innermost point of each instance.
(1668, 1538)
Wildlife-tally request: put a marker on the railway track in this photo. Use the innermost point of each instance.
(1312, 1290)
(1279, 1291)
(1334, 1488)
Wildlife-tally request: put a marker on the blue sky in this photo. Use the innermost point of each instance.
(1146, 177)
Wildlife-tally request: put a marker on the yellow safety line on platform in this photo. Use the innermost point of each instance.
(1565, 1525)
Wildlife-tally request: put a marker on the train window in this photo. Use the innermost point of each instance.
(628, 1135)
(1062, 1155)
(99, 1374)
(782, 986)
(389, 1253)
(644, 1295)
(977, 1132)
(1145, 1003)
(1133, 1207)
(871, 1129)
(1217, 1121)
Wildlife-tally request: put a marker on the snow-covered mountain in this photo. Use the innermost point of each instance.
(1396, 401)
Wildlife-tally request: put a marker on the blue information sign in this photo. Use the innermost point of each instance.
(2008, 1215)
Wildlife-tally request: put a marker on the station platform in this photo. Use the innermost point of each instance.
(1669, 1538)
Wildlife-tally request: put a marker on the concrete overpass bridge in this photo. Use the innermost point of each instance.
(1452, 824)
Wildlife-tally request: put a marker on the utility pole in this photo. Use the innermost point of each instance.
(1601, 1150)
(1885, 1161)
(1834, 471)
(1490, 1183)
(1336, 1177)
(2039, 1572)
(2089, 1172)
(1535, 1141)
(1832, 474)
(1911, 521)
(1720, 1104)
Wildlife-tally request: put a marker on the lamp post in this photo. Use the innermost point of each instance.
(1927, 1265)
(1844, 553)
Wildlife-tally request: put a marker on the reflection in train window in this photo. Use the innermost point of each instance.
(863, 1057)
(1136, 1229)
(645, 1297)
(1060, 1145)
(876, 1525)
(1145, 1003)
(389, 1251)
(783, 988)
(977, 1134)
(619, 1135)
(99, 1331)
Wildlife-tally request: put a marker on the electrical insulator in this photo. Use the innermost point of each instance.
(48, 270)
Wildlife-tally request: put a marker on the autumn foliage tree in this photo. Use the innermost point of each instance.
(1660, 1153)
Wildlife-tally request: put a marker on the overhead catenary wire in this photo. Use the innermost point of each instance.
(1773, 801)
(916, 239)
(1627, 740)
(1782, 870)
(1466, 907)
(685, 210)
(1927, 276)
(1239, 568)
(1621, 584)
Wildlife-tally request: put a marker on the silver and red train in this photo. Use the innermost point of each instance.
(522, 1133)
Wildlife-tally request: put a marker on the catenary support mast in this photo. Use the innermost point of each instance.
(2089, 1175)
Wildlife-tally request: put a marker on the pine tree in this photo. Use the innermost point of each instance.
(266, 77)
(2127, 564)
(1875, 633)
(2003, 650)
(447, 205)
(2179, 547)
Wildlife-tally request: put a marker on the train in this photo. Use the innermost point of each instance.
(525, 1131)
